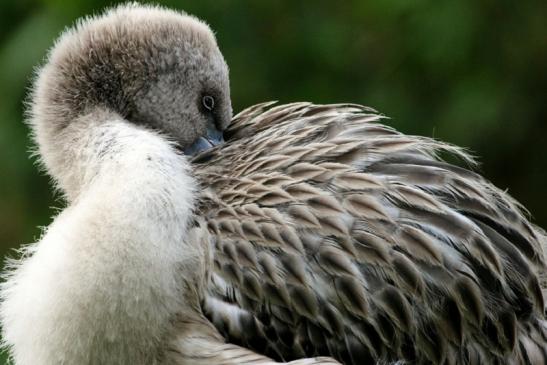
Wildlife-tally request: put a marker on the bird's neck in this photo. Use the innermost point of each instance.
(74, 151)
(107, 279)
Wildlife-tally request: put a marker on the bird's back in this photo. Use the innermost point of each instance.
(336, 235)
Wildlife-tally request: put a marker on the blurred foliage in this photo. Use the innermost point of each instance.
(469, 72)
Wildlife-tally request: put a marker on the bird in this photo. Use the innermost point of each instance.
(299, 233)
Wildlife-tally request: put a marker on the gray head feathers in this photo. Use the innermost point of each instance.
(146, 64)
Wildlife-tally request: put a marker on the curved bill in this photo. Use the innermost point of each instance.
(211, 139)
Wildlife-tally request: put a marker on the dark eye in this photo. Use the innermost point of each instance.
(208, 102)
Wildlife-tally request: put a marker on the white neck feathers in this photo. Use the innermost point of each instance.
(105, 281)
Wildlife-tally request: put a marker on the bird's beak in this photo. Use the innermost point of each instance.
(212, 138)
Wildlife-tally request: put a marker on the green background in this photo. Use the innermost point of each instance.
(470, 72)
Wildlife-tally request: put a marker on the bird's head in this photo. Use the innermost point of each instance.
(152, 66)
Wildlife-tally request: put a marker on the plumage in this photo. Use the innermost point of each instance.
(316, 234)
(404, 257)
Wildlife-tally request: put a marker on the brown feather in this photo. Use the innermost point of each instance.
(339, 236)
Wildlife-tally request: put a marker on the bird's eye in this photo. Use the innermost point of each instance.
(208, 102)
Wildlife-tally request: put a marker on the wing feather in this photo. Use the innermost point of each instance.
(336, 235)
